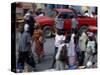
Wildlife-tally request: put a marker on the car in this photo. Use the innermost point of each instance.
(84, 22)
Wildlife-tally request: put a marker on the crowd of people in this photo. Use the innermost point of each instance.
(30, 33)
(71, 48)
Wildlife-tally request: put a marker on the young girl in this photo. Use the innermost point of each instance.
(61, 57)
(90, 50)
(59, 37)
(38, 36)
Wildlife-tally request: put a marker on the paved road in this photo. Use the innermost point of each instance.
(48, 58)
(48, 55)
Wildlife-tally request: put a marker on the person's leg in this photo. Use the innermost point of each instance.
(38, 50)
(75, 31)
(56, 49)
(57, 65)
(30, 60)
(19, 57)
(62, 65)
(20, 64)
(72, 30)
(40, 54)
(77, 57)
(72, 60)
(82, 56)
(87, 58)
(26, 58)
(42, 50)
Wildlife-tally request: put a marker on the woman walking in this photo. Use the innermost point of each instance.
(82, 44)
(38, 40)
(72, 52)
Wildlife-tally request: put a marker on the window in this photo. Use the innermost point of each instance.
(66, 15)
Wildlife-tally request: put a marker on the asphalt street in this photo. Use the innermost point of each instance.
(48, 55)
(47, 60)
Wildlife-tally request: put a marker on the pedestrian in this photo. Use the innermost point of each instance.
(90, 49)
(59, 23)
(74, 24)
(59, 37)
(93, 14)
(82, 44)
(86, 13)
(39, 12)
(39, 41)
(61, 57)
(77, 48)
(50, 12)
(29, 19)
(54, 27)
(24, 48)
(71, 52)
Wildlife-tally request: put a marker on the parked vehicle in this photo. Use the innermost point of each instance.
(84, 22)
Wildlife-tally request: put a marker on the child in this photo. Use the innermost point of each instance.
(38, 40)
(59, 37)
(61, 57)
(74, 24)
(59, 22)
(90, 50)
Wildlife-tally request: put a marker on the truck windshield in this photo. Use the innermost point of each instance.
(66, 15)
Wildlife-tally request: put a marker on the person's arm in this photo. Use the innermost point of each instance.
(42, 37)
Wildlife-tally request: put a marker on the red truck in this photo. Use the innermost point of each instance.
(84, 22)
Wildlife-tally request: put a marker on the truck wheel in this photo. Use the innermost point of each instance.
(83, 28)
(47, 31)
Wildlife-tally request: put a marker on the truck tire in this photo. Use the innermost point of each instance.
(47, 31)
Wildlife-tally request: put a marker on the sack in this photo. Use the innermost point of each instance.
(63, 55)
(31, 61)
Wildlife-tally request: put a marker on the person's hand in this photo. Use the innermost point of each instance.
(35, 24)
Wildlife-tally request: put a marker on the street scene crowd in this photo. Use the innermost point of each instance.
(70, 49)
